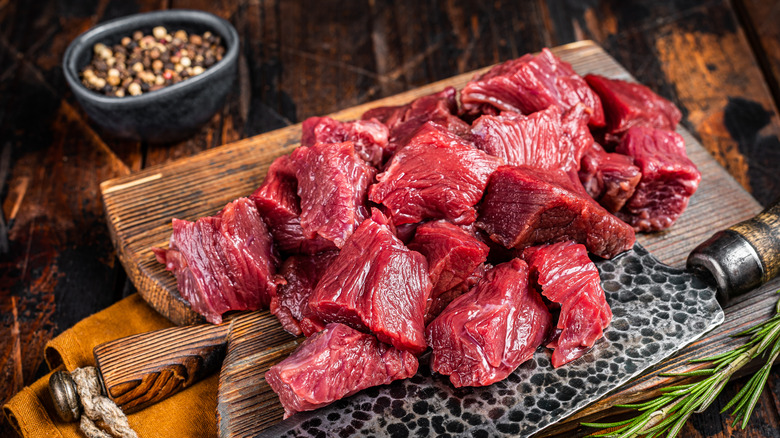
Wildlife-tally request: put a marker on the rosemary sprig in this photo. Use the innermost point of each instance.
(667, 413)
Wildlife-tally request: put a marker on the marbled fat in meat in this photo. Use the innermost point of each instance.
(485, 334)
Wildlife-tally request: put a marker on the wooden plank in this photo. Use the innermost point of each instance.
(696, 54)
(202, 184)
(760, 20)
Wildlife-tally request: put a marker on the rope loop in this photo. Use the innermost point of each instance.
(99, 408)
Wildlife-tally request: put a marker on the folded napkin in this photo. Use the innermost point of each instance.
(190, 413)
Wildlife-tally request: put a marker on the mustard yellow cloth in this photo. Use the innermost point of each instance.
(190, 413)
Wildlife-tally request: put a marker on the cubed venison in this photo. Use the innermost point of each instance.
(524, 206)
(669, 178)
(404, 120)
(291, 303)
(436, 176)
(335, 363)
(453, 255)
(405, 232)
(578, 329)
(224, 262)
(568, 277)
(249, 252)
(377, 284)
(332, 183)
(528, 84)
(574, 124)
(485, 334)
(609, 178)
(628, 104)
(278, 203)
(369, 137)
(537, 140)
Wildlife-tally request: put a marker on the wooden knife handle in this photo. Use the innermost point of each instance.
(143, 369)
(763, 233)
(742, 257)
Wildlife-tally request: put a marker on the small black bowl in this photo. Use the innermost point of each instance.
(171, 113)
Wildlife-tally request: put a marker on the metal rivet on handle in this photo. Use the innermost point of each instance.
(66, 399)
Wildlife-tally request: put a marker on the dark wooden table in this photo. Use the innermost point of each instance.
(718, 60)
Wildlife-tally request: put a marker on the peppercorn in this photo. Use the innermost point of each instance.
(142, 63)
(134, 89)
(159, 32)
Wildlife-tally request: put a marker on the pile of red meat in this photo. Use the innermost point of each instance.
(461, 226)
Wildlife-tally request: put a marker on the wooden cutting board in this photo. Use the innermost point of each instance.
(140, 206)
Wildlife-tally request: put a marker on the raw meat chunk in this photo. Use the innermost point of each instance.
(669, 178)
(485, 334)
(378, 284)
(609, 178)
(332, 183)
(291, 303)
(453, 255)
(335, 363)
(529, 84)
(223, 262)
(370, 136)
(405, 120)
(574, 123)
(436, 176)
(537, 140)
(405, 232)
(568, 277)
(279, 205)
(524, 206)
(628, 104)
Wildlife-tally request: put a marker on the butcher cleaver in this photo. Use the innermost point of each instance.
(657, 311)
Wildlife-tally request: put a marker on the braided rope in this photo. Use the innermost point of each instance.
(99, 408)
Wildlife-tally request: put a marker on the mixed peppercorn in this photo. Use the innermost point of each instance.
(144, 63)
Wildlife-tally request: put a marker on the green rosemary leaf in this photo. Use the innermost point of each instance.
(668, 412)
(607, 425)
(704, 372)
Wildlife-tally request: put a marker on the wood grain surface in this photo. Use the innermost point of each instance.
(300, 59)
(141, 370)
(139, 208)
(763, 233)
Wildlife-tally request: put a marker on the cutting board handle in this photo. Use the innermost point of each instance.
(742, 257)
(141, 370)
